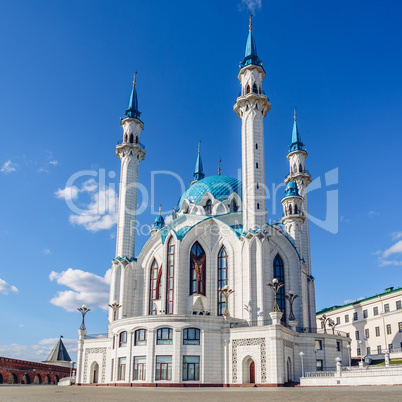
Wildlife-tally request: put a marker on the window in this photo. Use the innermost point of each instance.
(355, 316)
(377, 331)
(111, 374)
(318, 344)
(346, 318)
(197, 270)
(389, 332)
(170, 277)
(280, 275)
(208, 207)
(390, 347)
(379, 349)
(248, 89)
(319, 365)
(163, 368)
(191, 336)
(258, 186)
(222, 278)
(368, 350)
(191, 368)
(338, 320)
(258, 205)
(155, 287)
(123, 339)
(255, 90)
(256, 146)
(131, 138)
(140, 337)
(366, 333)
(295, 209)
(233, 206)
(122, 369)
(400, 326)
(300, 168)
(358, 351)
(338, 346)
(256, 165)
(165, 336)
(386, 308)
(375, 311)
(398, 305)
(365, 314)
(139, 373)
(357, 333)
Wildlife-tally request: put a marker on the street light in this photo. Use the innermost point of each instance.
(301, 354)
(349, 353)
(360, 348)
(226, 292)
(83, 310)
(291, 298)
(275, 286)
(114, 306)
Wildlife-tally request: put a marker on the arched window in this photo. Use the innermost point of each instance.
(256, 165)
(280, 275)
(248, 89)
(222, 278)
(140, 337)
(131, 138)
(256, 146)
(170, 277)
(259, 90)
(290, 210)
(197, 270)
(295, 209)
(255, 90)
(208, 207)
(123, 339)
(258, 186)
(155, 287)
(191, 336)
(300, 168)
(125, 138)
(136, 139)
(233, 206)
(294, 168)
(258, 205)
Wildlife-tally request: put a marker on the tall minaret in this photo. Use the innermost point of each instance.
(298, 174)
(252, 106)
(131, 152)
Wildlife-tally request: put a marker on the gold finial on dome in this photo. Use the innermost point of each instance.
(295, 114)
(199, 147)
(250, 27)
(219, 166)
(160, 209)
(135, 78)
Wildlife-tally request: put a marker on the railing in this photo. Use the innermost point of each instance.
(96, 336)
(367, 371)
(311, 374)
(138, 144)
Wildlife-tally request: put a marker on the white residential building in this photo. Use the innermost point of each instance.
(374, 324)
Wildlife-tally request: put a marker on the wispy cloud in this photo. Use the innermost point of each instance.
(46, 251)
(251, 5)
(54, 163)
(6, 288)
(372, 214)
(396, 235)
(395, 252)
(85, 288)
(8, 167)
(68, 193)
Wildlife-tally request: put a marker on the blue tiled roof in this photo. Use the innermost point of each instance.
(250, 55)
(296, 144)
(291, 190)
(221, 187)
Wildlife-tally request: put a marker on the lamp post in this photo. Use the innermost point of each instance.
(324, 320)
(349, 353)
(226, 292)
(360, 349)
(83, 310)
(291, 298)
(332, 324)
(301, 354)
(275, 286)
(115, 306)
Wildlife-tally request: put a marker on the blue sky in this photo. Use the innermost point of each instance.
(65, 80)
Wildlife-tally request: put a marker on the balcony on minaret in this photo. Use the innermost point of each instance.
(133, 144)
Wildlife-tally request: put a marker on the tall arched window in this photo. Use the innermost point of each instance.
(280, 275)
(295, 209)
(248, 89)
(233, 206)
(155, 287)
(136, 139)
(197, 269)
(290, 210)
(208, 207)
(255, 90)
(170, 277)
(222, 278)
(131, 138)
(125, 138)
(300, 168)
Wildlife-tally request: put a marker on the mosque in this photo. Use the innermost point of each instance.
(216, 296)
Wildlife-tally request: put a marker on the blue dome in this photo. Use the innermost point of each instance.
(291, 190)
(159, 222)
(221, 187)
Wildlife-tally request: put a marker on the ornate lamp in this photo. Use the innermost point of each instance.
(83, 310)
(275, 286)
(324, 320)
(226, 292)
(332, 324)
(114, 306)
(291, 298)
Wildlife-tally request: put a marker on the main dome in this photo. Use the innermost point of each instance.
(221, 187)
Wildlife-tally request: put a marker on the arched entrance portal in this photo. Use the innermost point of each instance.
(289, 373)
(94, 373)
(37, 379)
(252, 372)
(248, 370)
(25, 379)
(47, 379)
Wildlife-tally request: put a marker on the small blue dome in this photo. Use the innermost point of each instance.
(159, 222)
(291, 190)
(221, 187)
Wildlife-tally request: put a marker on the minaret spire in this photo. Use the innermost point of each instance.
(199, 170)
(132, 110)
(219, 166)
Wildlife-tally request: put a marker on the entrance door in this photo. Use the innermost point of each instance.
(252, 373)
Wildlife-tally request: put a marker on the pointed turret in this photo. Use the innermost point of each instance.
(199, 170)
(250, 55)
(296, 144)
(132, 110)
(59, 355)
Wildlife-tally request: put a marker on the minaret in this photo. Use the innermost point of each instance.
(199, 170)
(131, 152)
(252, 106)
(298, 174)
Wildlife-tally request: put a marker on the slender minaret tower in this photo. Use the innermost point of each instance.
(252, 106)
(298, 174)
(131, 152)
(198, 170)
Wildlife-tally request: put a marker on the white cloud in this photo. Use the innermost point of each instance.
(396, 235)
(372, 214)
(68, 193)
(252, 5)
(5, 288)
(395, 249)
(54, 163)
(39, 351)
(46, 251)
(86, 288)
(168, 219)
(8, 167)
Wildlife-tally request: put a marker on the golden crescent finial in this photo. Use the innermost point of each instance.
(134, 79)
(199, 147)
(160, 209)
(250, 27)
(219, 166)
(295, 114)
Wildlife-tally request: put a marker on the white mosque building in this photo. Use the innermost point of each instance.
(169, 322)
